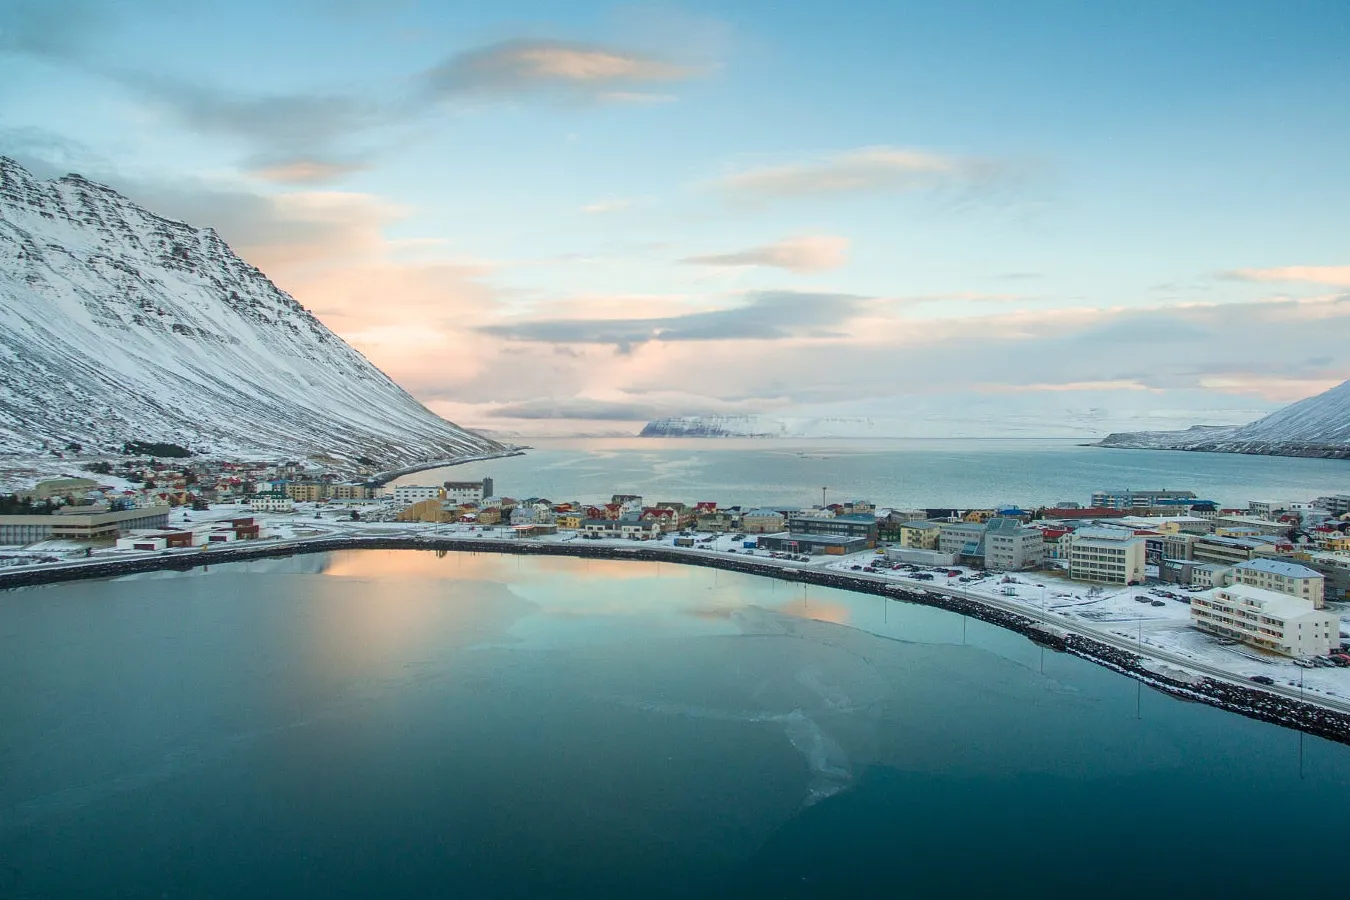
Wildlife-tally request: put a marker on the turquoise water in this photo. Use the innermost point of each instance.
(403, 724)
(904, 473)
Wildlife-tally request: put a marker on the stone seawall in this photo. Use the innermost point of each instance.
(1239, 698)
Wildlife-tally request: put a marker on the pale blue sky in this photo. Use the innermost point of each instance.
(1072, 186)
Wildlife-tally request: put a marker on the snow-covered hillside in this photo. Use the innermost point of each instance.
(118, 325)
(1318, 426)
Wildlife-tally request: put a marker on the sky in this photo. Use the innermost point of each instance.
(547, 218)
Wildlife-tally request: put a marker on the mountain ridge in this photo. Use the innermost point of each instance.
(118, 324)
(1316, 426)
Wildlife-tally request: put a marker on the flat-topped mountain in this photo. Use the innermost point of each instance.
(119, 325)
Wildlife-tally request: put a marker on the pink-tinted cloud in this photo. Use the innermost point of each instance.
(1333, 276)
(812, 253)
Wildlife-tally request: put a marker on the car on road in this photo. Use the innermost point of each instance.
(1263, 679)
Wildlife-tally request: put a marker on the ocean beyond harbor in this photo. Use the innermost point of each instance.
(895, 472)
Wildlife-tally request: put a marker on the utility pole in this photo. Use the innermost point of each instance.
(822, 497)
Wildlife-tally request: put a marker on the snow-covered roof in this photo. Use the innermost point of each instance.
(1286, 606)
(1279, 567)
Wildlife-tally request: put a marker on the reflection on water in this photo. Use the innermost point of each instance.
(391, 723)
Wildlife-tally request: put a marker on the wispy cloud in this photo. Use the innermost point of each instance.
(812, 253)
(1334, 276)
(869, 169)
(307, 171)
(521, 66)
(767, 316)
(600, 207)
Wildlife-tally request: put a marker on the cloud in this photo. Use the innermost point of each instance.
(524, 66)
(870, 169)
(606, 206)
(598, 410)
(803, 254)
(769, 315)
(307, 171)
(1335, 276)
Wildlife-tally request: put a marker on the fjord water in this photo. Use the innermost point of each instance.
(905, 473)
(408, 724)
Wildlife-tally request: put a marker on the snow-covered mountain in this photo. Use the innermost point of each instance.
(118, 325)
(1316, 426)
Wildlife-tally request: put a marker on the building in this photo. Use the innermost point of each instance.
(1282, 577)
(1125, 498)
(571, 521)
(1270, 509)
(1230, 550)
(1250, 525)
(1332, 539)
(763, 521)
(813, 544)
(964, 540)
(1107, 555)
(80, 523)
(307, 491)
(850, 526)
(1009, 546)
(468, 491)
(432, 511)
(918, 557)
(1336, 504)
(415, 493)
(1335, 568)
(1266, 619)
(274, 501)
(349, 491)
(717, 520)
(600, 527)
(920, 535)
(634, 528)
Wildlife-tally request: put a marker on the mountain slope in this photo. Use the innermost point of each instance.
(1317, 426)
(117, 324)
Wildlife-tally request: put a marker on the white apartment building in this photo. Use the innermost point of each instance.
(416, 493)
(469, 491)
(1109, 555)
(1266, 619)
(1283, 578)
(271, 503)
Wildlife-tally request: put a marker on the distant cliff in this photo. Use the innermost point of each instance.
(1317, 427)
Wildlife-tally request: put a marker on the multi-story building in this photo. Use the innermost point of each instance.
(272, 502)
(964, 540)
(854, 526)
(1250, 525)
(763, 521)
(1282, 577)
(717, 520)
(1336, 504)
(1010, 546)
(1270, 509)
(349, 491)
(1229, 550)
(1335, 568)
(1108, 555)
(1125, 498)
(813, 544)
(306, 491)
(920, 535)
(468, 491)
(415, 493)
(1266, 619)
(80, 523)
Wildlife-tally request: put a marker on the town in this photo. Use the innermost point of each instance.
(1185, 577)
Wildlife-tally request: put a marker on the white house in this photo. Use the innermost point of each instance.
(1110, 555)
(416, 493)
(1266, 619)
(1283, 578)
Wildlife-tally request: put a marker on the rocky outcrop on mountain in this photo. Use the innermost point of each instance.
(1314, 427)
(118, 325)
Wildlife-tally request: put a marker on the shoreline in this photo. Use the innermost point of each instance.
(1249, 701)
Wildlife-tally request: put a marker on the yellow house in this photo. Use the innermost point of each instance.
(920, 535)
(978, 516)
(1333, 540)
(570, 521)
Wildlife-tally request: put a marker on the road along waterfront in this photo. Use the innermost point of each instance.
(1327, 717)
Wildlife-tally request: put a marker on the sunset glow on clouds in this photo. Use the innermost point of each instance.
(544, 224)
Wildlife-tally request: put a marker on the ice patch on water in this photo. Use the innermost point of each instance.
(828, 763)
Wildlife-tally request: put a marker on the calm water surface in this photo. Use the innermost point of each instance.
(923, 473)
(402, 724)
